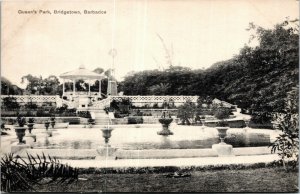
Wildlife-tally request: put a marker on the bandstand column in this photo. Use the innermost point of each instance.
(100, 88)
(73, 87)
(63, 87)
(89, 87)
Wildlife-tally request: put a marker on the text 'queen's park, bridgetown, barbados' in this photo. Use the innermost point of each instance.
(61, 12)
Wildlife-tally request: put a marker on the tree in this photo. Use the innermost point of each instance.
(257, 79)
(7, 88)
(35, 84)
(10, 103)
(159, 89)
(51, 85)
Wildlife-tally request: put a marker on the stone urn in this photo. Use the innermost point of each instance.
(30, 127)
(91, 122)
(222, 148)
(52, 124)
(165, 121)
(247, 123)
(20, 131)
(222, 132)
(202, 123)
(47, 124)
(106, 133)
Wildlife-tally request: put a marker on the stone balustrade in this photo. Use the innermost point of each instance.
(158, 99)
(32, 98)
(136, 100)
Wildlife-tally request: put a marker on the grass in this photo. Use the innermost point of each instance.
(273, 179)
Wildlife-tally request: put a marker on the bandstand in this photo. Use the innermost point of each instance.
(81, 99)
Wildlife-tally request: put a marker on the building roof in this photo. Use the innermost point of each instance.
(81, 73)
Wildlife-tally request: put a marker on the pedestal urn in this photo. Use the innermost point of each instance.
(222, 148)
(106, 133)
(20, 131)
(30, 127)
(47, 124)
(165, 121)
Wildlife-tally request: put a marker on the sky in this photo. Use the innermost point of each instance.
(198, 32)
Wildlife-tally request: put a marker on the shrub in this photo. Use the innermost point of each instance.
(42, 113)
(261, 117)
(31, 120)
(31, 105)
(20, 175)
(118, 115)
(287, 143)
(139, 113)
(135, 120)
(222, 113)
(21, 121)
(155, 105)
(10, 103)
(84, 114)
(186, 112)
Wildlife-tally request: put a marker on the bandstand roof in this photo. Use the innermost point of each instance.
(81, 73)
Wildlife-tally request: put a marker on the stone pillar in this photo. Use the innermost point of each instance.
(63, 87)
(74, 88)
(100, 88)
(89, 87)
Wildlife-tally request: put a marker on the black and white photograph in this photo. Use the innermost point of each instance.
(106, 96)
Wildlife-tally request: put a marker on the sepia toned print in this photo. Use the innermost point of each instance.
(149, 96)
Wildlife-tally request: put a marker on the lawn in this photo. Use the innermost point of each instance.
(223, 180)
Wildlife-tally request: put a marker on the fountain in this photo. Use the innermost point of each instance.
(165, 121)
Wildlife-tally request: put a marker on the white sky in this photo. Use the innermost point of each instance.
(202, 32)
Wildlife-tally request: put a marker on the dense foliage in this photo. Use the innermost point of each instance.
(257, 79)
(7, 88)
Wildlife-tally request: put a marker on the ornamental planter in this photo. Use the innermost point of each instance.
(222, 133)
(222, 148)
(202, 123)
(106, 133)
(165, 125)
(47, 124)
(30, 127)
(52, 124)
(247, 123)
(20, 131)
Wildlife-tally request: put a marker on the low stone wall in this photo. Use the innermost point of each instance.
(70, 120)
(123, 121)
(241, 124)
(232, 124)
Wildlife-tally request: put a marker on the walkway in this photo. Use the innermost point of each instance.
(179, 162)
